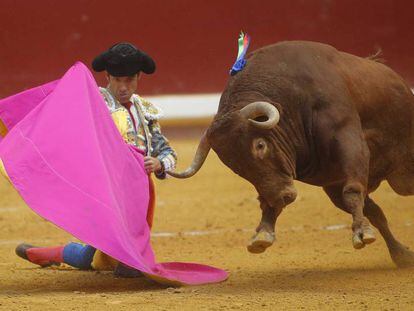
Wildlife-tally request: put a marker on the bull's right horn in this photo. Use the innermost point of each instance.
(199, 158)
(259, 109)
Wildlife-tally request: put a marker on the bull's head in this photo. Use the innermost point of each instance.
(248, 143)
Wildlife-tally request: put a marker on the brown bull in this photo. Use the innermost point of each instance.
(306, 111)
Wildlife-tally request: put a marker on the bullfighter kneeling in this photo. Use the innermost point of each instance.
(137, 121)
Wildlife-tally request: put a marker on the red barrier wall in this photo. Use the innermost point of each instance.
(192, 41)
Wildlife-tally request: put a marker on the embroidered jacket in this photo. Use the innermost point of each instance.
(144, 130)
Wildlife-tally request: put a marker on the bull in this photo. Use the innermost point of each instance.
(306, 111)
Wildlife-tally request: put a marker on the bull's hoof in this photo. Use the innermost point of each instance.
(260, 242)
(363, 236)
(402, 257)
(357, 241)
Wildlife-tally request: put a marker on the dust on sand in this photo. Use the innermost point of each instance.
(311, 266)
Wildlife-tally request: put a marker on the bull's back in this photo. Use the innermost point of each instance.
(375, 88)
(320, 72)
(385, 105)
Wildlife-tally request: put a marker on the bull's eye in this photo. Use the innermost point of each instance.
(260, 148)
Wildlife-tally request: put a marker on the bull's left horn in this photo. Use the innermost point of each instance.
(258, 109)
(199, 158)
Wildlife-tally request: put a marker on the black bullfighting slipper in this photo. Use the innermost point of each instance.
(123, 271)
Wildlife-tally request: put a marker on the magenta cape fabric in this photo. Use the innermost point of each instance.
(66, 158)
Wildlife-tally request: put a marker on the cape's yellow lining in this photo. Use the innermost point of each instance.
(3, 129)
(3, 171)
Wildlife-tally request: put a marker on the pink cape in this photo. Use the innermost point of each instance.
(66, 158)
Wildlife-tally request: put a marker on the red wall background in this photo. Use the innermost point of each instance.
(192, 41)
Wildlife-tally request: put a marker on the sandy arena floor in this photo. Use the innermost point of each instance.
(211, 217)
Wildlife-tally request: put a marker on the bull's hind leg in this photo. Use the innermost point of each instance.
(400, 254)
(401, 181)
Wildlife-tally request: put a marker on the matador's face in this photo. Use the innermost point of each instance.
(123, 87)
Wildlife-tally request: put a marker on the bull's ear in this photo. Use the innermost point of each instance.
(262, 115)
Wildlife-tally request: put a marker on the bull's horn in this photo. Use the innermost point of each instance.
(258, 109)
(199, 158)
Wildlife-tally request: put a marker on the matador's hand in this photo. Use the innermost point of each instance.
(152, 164)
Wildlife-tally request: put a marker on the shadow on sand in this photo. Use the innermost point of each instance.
(47, 280)
(289, 280)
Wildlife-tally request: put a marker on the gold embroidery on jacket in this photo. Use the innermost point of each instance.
(143, 110)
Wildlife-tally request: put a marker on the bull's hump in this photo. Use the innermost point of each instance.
(290, 64)
(293, 58)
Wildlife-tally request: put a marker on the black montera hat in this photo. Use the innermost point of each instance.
(123, 59)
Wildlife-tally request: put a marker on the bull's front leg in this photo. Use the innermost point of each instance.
(265, 232)
(353, 199)
(350, 198)
(348, 156)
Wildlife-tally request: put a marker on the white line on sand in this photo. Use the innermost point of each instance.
(182, 233)
(16, 242)
(336, 227)
(208, 232)
(196, 233)
(8, 209)
(220, 231)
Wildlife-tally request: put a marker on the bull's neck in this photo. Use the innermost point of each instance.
(293, 138)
